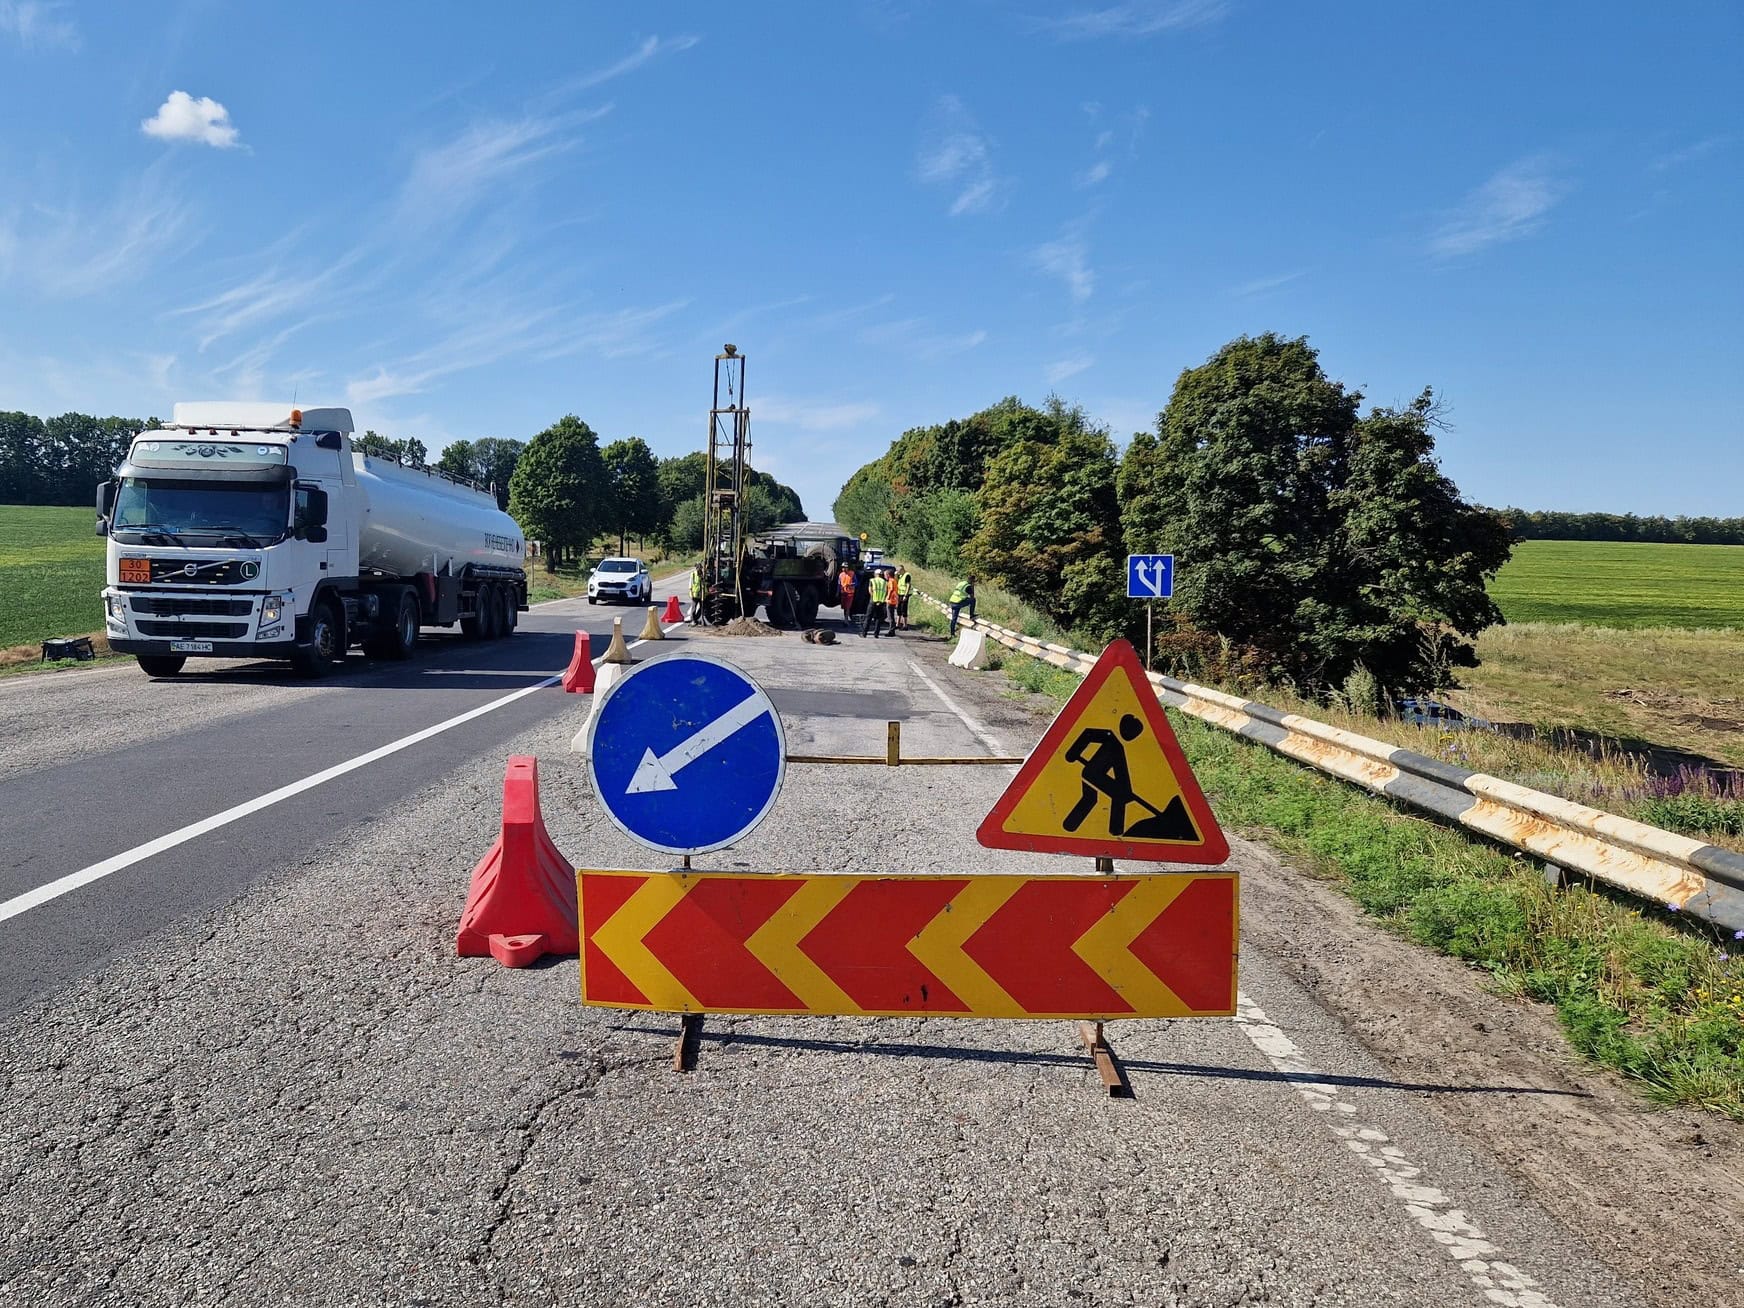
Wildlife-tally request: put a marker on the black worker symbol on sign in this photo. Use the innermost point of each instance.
(1101, 757)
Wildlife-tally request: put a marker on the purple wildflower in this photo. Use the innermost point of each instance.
(1671, 908)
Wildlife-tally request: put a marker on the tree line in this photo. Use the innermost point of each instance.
(573, 493)
(1315, 545)
(566, 492)
(1657, 529)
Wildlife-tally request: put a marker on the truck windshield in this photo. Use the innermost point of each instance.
(205, 509)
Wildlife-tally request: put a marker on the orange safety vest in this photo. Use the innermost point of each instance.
(847, 582)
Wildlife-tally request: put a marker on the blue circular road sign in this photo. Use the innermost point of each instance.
(686, 754)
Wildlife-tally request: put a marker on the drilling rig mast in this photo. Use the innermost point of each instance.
(724, 490)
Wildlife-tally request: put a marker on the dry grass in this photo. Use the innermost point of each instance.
(1671, 687)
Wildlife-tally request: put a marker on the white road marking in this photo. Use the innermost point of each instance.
(980, 732)
(1431, 1208)
(72, 881)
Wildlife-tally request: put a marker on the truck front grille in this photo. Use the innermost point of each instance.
(195, 630)
(198, 572)
(192, 605)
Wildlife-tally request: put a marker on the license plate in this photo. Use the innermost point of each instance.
(191, 646)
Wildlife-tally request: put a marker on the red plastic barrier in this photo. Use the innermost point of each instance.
(673, 612)
(521, 904)
(578, 676)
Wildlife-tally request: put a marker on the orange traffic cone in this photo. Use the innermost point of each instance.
(673, 612)
(578, 677)
(521, 904)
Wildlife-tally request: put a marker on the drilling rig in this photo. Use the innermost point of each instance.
(790, 571)
(724, 491)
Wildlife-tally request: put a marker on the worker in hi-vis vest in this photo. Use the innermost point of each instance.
(877, 594)
(904, 588)
(963, 597)
(696, 595)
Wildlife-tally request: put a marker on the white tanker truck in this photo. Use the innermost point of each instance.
(246, 530)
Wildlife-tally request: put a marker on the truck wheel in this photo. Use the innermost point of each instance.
(402, 641)
(503, 606)
(808, 607)
(784, 605)
(473, 628)
(326, 644)
(161, 665)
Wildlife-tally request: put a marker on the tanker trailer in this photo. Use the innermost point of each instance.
(249, 530)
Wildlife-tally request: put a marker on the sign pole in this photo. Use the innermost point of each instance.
(1150, 640)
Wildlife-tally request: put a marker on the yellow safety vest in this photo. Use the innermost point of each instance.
(961, 593)
(880, 588)
(905, 587)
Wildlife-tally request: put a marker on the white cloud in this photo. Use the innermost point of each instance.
(1260, 285)
(915, 337)
(1141, 19)
(1689, 153)
(1508, 207)
(446, 179)
(811, 416)
(1061, 369)
(650, 49)
(959, 157)
(68, 252)
(37, 24)
(613, 334)
(1096, 174)
(183, 118)
(1068, 258)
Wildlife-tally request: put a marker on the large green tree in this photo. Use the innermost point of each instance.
(557, 492)
(633, 477)
(1050, 522)
(489, 461)
(1313, 540)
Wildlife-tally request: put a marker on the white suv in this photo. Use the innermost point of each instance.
(620, 579)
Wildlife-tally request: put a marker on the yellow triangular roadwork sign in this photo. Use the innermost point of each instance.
(1108, 779)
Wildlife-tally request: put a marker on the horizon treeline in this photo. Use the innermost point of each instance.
(629, 491)
(1647, 529)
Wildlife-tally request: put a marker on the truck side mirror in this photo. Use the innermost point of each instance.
(105, 506)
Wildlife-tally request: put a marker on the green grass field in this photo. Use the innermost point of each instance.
(51, 574)
(1615, 584)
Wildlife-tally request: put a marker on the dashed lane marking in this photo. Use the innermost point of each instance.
(1431, 1208)
(53, 890)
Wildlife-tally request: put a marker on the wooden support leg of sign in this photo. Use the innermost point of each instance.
(1112, 1073)
(689, 1041)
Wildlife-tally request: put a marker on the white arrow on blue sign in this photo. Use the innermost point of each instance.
(686, 754)
(1150, 576)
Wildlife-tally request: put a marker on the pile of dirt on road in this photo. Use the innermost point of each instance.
(741, 627)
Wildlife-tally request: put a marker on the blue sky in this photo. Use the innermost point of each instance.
(467, 220)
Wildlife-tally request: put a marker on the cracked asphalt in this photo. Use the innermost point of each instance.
(300, 1095)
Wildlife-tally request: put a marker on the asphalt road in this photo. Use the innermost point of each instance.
(258, 1074)
(101, 762)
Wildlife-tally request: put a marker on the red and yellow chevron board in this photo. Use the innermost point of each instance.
(1093, 947)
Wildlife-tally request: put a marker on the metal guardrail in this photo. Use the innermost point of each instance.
(1703, 880)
